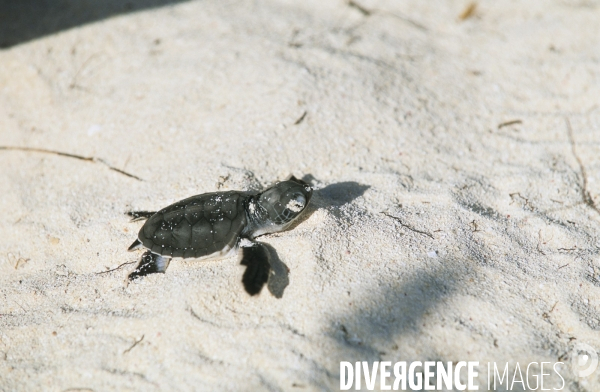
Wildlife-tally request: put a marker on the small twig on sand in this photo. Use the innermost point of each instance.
(585, 194)
(21, 306)
(509, 123)
(513, 196)
(301, 118)
(468, 12)
(65, 154)
(540, 240)
(547, 314)
(134, 344)
(368, 12)
(568, 249)
(194, 314)
(409, 227)
(359, 8)
(74, 83)
(114, 269)
(21, 259)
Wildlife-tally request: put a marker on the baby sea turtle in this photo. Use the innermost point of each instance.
(214, 225)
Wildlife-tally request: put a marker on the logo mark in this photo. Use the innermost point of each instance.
(584, 360)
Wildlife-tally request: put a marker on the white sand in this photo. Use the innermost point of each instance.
(402, 113)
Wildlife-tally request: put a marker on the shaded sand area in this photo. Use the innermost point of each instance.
(455, 161)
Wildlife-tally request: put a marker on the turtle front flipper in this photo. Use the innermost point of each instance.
(149, 264)
(256, 259)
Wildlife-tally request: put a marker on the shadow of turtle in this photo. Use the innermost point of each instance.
(331, 196)
(278, 275)
(339, 194)
(393, 315)
(25, 20)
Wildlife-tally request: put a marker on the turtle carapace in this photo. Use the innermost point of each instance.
(218, 224)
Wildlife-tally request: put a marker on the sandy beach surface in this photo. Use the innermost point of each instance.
(454, 152)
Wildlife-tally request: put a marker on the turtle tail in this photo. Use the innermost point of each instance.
(136, 244)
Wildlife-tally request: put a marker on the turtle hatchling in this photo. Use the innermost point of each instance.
(218, 224)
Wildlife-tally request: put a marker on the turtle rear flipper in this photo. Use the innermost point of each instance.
(256, 260)
(149, 264)
(139, 215)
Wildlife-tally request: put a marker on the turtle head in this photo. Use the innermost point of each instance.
(281, 204)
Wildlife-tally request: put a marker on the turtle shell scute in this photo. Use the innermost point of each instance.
(197, 226)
